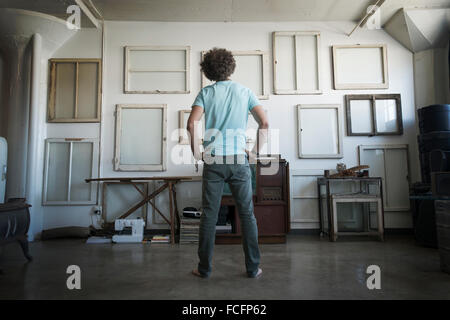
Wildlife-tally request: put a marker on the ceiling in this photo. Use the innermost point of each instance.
(227, 10)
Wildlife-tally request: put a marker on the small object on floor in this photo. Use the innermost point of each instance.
(191, 212)
(161, 239)
(137, 230)
(189, 229)
(96, 240)
(65, 232)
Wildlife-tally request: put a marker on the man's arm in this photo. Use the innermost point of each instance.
(263, 128)
(196, 114)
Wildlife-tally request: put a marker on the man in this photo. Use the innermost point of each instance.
(226, 105)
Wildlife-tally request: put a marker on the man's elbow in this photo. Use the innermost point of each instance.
(190, 126)
(264, 125)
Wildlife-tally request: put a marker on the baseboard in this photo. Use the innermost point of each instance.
(388, 232)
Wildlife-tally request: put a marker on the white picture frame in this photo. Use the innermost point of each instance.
(360, 66)
(146, 65)
(320, 131)
(296, 62)
(258, 86)
(183, 116)
(136, 143)
(391, 163)
(64, 184)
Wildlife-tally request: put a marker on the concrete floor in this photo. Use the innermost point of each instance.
(304, 268)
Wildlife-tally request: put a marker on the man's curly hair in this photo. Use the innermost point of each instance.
(218, 64)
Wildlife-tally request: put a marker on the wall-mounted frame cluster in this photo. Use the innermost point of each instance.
(140, 137)
(252, 71)
(360, 66)
(157, 69)
(296, 62)
(67, 163)
(74, 90)
(320, 131)
(375, 114)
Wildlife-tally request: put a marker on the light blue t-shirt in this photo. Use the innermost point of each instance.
(226, 105)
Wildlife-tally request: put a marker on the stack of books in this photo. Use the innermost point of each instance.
(189, 229)
(161, 239)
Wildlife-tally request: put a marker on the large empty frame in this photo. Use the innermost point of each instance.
(251, 71)
(319, 131)
(374, 114)
(296, 62)
(67, 163)
(157, 69)
(140, 137)
(75, 90)
(360, 66)
(391, 163)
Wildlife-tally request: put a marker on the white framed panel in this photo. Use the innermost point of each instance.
(360, 66)
(183, 116)
(157, 69)
(297, 62)
(140, 143)
(304, 196)
(251, 70)
(319, 131)
(391, 163)
(68, 162)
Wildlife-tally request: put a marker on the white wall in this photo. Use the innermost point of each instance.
(281, 109)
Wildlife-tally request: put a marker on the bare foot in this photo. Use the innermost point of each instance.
(258, 274)
(195, 272)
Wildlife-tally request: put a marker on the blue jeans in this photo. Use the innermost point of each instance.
(238, 176)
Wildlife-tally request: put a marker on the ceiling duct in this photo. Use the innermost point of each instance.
(420, 29)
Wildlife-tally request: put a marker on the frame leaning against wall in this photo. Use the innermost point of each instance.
(128, 70)
(298, 72)
(118, 165)
(68, 164)
(53, 91)
(372, 98)
(264, 95)
(357, 84)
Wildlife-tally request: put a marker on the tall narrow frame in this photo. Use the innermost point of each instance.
(140, 167)
(94, 171)
(298, 90)
(265, 70)
(128, 49)
(384, 147)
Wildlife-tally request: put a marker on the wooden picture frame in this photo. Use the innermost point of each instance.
(302, 61)
(315, 129)
(183, 115)
(395, 173)
(360, 64)
(373, 122)
(132, 153)
(263, 93)
(80, 111)
(155, 69)
(60, 165)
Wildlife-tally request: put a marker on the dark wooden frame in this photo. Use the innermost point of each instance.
(373, 98)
